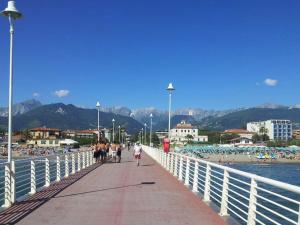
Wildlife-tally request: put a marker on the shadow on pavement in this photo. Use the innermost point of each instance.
(106, 189)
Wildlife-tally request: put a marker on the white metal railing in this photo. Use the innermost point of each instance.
(27, 176)
(249, 198)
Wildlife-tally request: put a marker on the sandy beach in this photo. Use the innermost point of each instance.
(244, 158)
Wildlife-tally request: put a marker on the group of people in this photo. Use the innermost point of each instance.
(103, 149)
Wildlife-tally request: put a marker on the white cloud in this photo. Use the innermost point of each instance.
(62, 93)
(36, 95)
(271, 82)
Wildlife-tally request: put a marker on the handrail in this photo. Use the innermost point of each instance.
(249, 198)
(39, 171)
(276, 183)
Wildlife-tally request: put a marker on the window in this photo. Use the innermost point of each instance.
(43, 142)
(50, 142)
(56, 142)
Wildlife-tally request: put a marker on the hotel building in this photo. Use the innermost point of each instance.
(275, 129)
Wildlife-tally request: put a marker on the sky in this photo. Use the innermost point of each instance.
(218, 54)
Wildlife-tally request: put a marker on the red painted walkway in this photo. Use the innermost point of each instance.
(114, 194)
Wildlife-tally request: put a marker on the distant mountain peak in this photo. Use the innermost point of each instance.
(21, 108)
(269, 105)
(60, 110)
(296, 106)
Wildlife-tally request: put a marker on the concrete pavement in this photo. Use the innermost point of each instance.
(124, 194)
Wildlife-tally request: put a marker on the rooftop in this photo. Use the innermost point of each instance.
(44, 129)
(238, 131)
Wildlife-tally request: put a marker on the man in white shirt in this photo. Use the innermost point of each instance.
(137, 153)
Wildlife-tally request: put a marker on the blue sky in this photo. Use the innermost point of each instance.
(219, 54)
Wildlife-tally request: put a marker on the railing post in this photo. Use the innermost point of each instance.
(176, 166)
(92, 157)
(252, 203)
(181, 168)
(57, 168)
(13, 181)
(196, 175)
(47, 172)
(7, 187)
(224, 200)
(78, 161)
(73, 163)
(66, 165)
(206, 197)
(299, 216)
(160, 157)
(83, 160)
(87, 159)
(171, 163)
(187, 172)
(167, 161)
(32, 178)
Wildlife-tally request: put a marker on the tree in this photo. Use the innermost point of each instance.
(263, 130)
(256, 138)
(228, 137)
(155, 140)
(189, 137)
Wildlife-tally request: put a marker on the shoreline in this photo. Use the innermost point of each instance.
(249, 159)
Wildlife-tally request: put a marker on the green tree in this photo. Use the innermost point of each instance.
(189, 137)
(226, 138)
(263, 130)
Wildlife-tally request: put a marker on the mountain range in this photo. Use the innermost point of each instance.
(21, 108)
(32, 113)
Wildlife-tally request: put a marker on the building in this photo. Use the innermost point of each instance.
(88, 134)
(183, 130)
(44, 137)
(275, 129)
(241, 141)
(69, 134)
(241, 132)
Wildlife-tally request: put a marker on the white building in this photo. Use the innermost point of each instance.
(241, 141)
(182, 130)
(275, 129)
(241, 132)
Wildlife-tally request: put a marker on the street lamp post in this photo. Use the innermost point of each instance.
(151, 116)
(98, 108)
(170, 89)
(13, 14)
(142, 134)
(145, 133)
(113, 122)
(119, 134)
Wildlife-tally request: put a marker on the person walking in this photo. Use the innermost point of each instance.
(119, 152)
(128, 146)
(137, 152)
(114, 152)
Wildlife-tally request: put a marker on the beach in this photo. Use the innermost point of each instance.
(246, 158)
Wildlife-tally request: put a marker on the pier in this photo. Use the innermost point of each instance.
(164, 189)
(114, 193)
